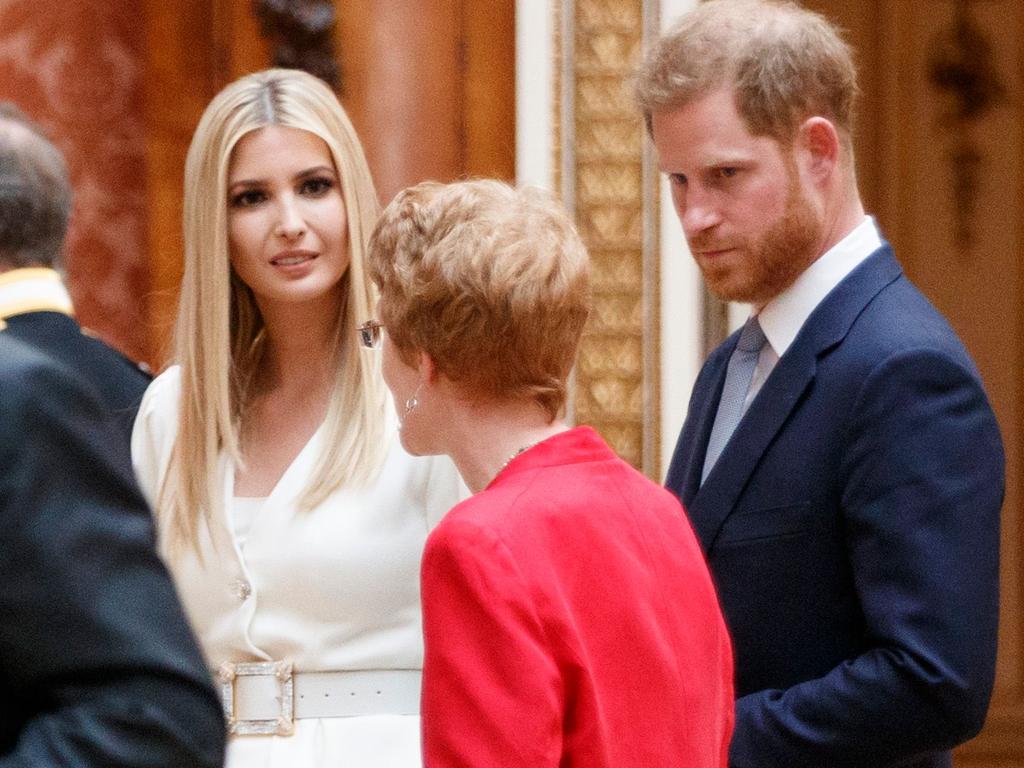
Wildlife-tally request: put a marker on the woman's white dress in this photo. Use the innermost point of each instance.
(336, 588)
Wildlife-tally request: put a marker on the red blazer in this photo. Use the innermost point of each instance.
(570, 621)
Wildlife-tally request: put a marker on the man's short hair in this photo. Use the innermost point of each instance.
(783, 62)
(35, 194)
(492, 282)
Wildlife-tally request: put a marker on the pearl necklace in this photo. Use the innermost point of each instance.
(521, 449)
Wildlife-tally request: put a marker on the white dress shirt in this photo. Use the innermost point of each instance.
(782, 318)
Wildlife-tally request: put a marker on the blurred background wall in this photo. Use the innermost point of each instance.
(78, 68)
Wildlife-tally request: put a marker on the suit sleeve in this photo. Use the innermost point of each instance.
(154, 433)
(99, 666)
(922, 489)
(491, 689)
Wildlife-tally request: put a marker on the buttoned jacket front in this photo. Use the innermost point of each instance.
(332, 588)
(852, 528)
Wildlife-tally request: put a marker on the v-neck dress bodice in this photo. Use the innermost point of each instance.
(242, 511)
(332, 588)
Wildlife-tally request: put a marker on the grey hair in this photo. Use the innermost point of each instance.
(35, 193)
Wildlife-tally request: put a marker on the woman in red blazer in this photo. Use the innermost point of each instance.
(568, 615)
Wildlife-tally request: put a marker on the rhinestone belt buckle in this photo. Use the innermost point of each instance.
(283, 724)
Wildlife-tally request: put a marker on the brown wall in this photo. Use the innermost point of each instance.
(76, 67)
(430, 85)
(195, 47)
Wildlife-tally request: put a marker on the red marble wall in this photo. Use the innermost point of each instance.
(77, 68)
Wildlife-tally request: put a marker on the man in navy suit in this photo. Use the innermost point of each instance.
(840, 460)
(35, 205)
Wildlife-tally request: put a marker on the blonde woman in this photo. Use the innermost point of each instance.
(291, 518)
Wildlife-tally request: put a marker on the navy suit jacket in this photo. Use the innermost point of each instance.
(852, 528)
(98, 666)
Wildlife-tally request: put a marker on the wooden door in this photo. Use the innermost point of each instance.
(195, 47)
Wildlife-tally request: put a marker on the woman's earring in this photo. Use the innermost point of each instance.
(410, 405)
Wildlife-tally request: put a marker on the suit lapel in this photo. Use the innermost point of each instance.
(826, 327)
(688, 458)
(770, 410)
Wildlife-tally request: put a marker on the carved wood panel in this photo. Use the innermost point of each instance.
(608, 188)
(303, 33)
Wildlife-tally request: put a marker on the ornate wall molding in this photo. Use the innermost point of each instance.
(962, 68)
(607, 183)
(302, 33)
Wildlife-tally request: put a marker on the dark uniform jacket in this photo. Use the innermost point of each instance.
(97, 663)
(115, 381)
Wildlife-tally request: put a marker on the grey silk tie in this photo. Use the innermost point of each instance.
(734, 392)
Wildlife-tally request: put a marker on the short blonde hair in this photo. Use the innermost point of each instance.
(491, 282)
(783, 62)
(219, 331)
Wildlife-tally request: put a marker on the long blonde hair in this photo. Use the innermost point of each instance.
(218, 336)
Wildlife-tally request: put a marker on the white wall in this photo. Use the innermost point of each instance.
(680, 308)
(535, 78)
(681, 354)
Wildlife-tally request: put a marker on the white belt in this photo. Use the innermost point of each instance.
(267, 697)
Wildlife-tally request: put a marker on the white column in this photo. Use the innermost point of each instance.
(681, 354)
(680, 306)
(535, 82)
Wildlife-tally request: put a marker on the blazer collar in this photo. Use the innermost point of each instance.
(32, 289)
(826, 327)
(576, 445)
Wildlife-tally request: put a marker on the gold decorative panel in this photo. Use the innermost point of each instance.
(604, 159)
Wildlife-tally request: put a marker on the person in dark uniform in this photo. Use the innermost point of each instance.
(98, 666)
(35, 204)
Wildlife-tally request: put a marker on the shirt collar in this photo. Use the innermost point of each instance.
(33, 289)
(782, 318)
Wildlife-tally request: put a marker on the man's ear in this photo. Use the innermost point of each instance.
(819, 147)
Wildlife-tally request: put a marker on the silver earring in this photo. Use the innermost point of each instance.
(410, 405)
